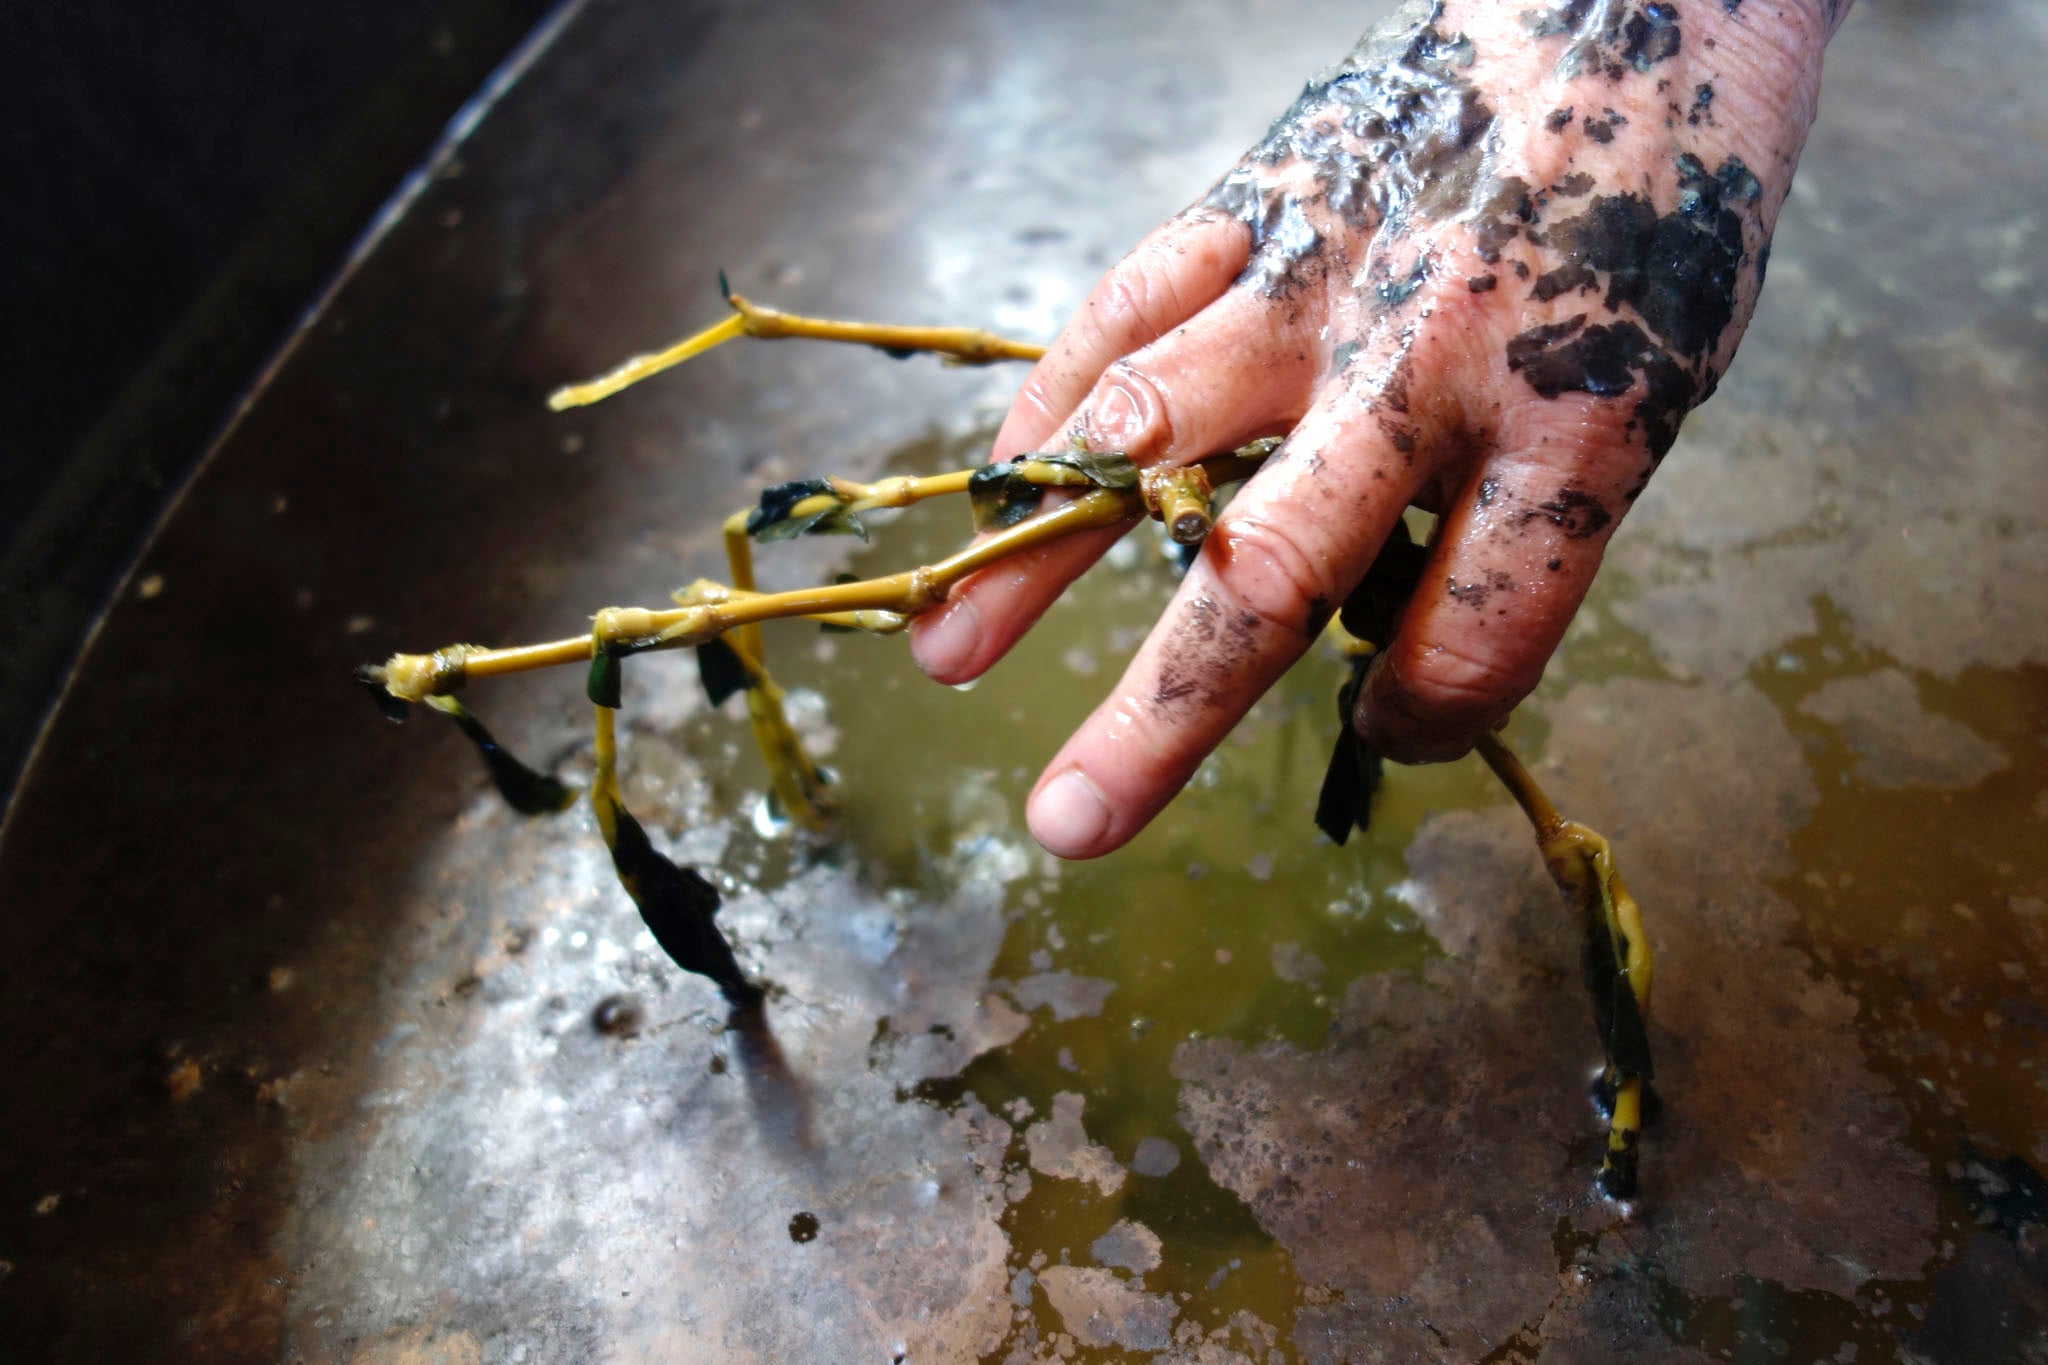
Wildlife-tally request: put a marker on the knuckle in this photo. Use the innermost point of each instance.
(1572, 425)
(1137, 298)
(1041, 395)
(1459, 680)
(1214, 248)
(1127, 411)
(1269, 573)
(1579, 450)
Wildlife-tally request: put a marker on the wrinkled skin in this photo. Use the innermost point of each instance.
(1485, 265)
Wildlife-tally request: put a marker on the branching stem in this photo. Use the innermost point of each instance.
(1106, 491)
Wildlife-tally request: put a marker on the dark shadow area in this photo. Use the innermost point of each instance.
(781, 1098)
(201, 871)
(181, 182)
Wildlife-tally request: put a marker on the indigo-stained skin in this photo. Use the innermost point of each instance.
(1489, 252)
(1394, 129)
(1397, 141)
(1677, 271)
(1609, 38)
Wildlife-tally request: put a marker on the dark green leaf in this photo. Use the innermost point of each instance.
(773, 519)
(778, 499)
(1103, 468)
(721, 671)
(1623, 1036)
(833, 521)
(526, 791)
(1374, 608)
(1000, 496)
(372, 679)
(677, 904)
(1353, 777)
(605, 676)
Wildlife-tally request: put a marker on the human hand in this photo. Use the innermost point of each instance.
(1486, 266)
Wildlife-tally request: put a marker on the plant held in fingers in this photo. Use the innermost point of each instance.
(722, 622)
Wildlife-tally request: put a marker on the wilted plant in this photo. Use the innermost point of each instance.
(721, 622)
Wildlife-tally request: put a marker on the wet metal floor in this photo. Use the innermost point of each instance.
(303, 1023)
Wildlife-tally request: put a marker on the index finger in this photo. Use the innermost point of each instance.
(1176, 272)
(1182, 267)
(1282, 555)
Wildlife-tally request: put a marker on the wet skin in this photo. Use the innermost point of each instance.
(1485, 265)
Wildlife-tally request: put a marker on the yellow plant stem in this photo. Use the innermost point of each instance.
(414, 677)
(1179, 496)
(646, 366)
(960, 345)
(1624, 1129)
(1521, 785)
(1582, 863)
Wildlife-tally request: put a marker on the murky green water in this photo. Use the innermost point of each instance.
(1231, 917)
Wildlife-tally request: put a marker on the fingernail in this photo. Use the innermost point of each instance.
(1069, 816)
(944, 648)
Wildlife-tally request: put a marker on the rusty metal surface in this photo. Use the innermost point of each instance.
(300, 1022)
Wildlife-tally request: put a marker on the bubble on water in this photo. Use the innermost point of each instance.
(617, 1016)
(1355, 903)
(767, 819)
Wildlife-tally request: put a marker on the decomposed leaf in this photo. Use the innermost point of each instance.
(526, 791)
(999, 496)
(777, 501)
(721, 671)
(1338, 799)
(371, 676)
(1374, 607)
(677, 904)
(1103, 468)
(1353, 777)
(1585, 875)
(803, 507)
(605, 679)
